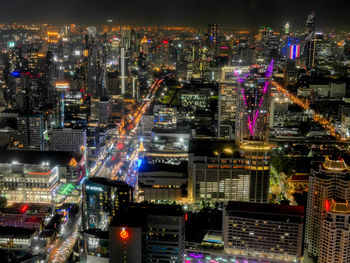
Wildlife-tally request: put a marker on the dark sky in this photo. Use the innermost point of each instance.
(234, 14)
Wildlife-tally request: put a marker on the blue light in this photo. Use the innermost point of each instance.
(139, 163)
(15, 74)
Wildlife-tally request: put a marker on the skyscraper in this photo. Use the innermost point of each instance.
(310, 23)
(335, 233)
(330, 180)
(213, 36)
(253, 106)
(148, 233)
(31, 132)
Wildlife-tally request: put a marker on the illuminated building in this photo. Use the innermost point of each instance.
(148, 233)
(122, 70)
(220, 172)
(294, 52)
(196, 99)
(335, 234)
(28, 177)
(286, 28)
(24, 215)
(331, 180)
(67, 139)
(30, 132)
(213, 35)
(52, 37)
(165, 117)
(263, 232)
(102, 200)
(227, 99)
(16, 237)
(253, 106)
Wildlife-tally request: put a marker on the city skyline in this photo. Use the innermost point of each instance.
(235, 14)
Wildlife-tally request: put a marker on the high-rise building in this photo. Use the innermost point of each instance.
(213, 35)
(220, 172)
(30, 132)
(335, 233)
(330, 180)
(263, 232)
(102, 200)
(310, 23)
(67, 139)
(253, 98)
(148, 233)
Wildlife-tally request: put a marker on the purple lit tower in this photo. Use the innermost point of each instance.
(252, 123)
(252, 120)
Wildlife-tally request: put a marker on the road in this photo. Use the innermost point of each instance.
(60, 250)
(326, 124)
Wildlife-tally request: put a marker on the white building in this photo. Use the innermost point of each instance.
(331, 180)
(263, 232)
(335, 233)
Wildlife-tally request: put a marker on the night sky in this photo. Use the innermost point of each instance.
(235, 14)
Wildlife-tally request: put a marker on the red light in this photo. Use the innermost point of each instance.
(24, 208)
(186, 217)
(124, 234)
(165, 42)
(327, 205)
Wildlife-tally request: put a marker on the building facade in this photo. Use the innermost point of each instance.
(335, 233)
(330, 179)
(263, 232)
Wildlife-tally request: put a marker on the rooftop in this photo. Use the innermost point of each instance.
(37, 157)
(273, 212)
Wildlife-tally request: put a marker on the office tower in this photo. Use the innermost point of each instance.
(263, 232)
(290, 73)
(310, 23)
(148, 233)
(30, 132)
(219, 171)
(252, 124)
(104, 110)
(67, 139)
(310, 43)
(102, 200)
(253, 106)
(122, 69)
(335, 233)
(330, 180)
(227, 101)
(96, 68)
(213, 35)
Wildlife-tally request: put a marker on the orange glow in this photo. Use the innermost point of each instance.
(73, 162)
(62, 84)
(124, 234)
(52, 33)
(36, 173)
